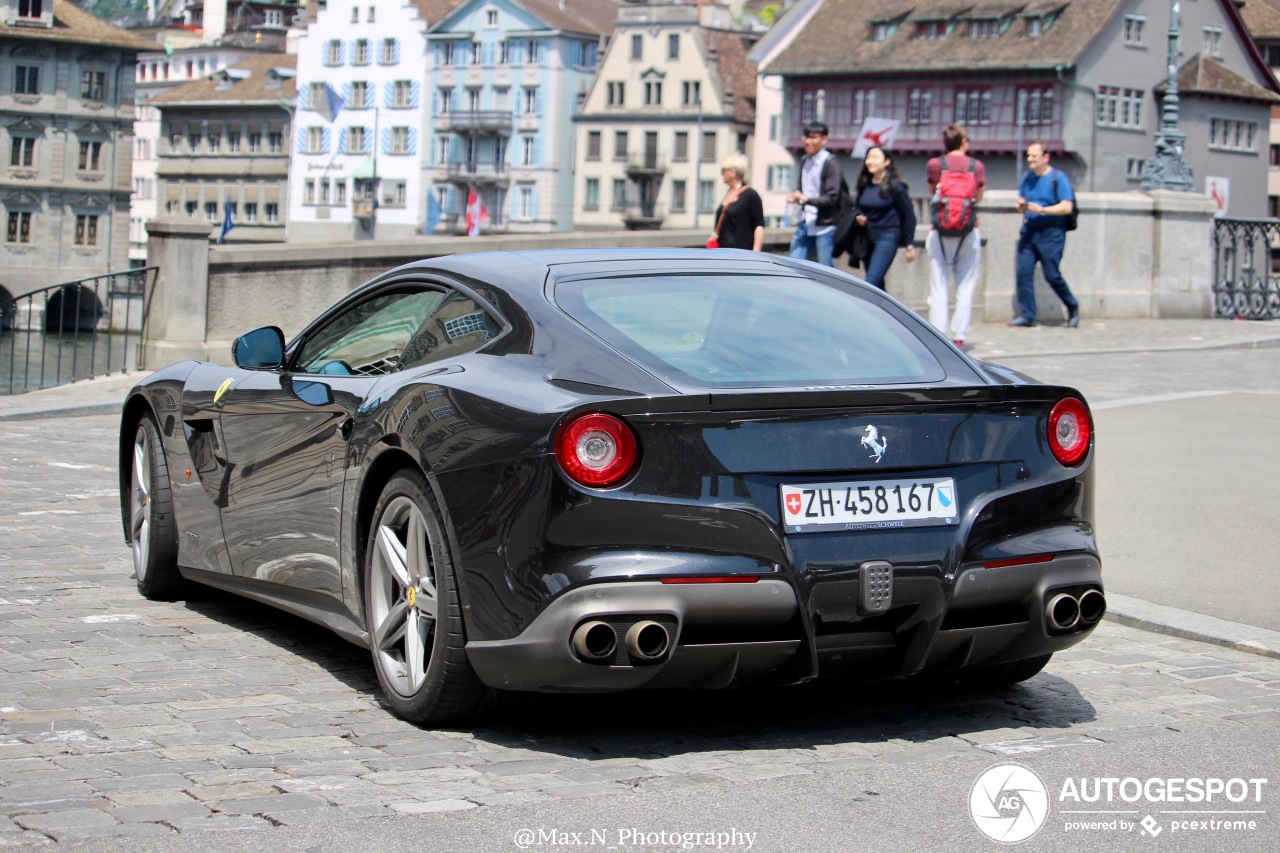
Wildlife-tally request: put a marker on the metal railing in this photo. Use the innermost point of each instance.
(75, 330)
(1244, 283)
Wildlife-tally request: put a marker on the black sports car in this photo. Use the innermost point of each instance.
(601, 470)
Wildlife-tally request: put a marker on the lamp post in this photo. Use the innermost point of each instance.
(1167, 170)
(697, 165)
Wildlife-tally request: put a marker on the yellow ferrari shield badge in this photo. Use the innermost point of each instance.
(222, 389)
(412, 595)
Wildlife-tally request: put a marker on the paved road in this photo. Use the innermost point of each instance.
(135, 725)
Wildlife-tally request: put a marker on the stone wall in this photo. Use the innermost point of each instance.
(1134, 255)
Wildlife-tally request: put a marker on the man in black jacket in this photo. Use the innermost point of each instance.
(818, 194)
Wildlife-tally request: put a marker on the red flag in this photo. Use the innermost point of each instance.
(476, 211)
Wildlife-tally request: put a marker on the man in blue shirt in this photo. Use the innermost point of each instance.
(1045, 199)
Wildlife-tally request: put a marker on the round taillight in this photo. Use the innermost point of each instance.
(1069, 431)
(597, 450)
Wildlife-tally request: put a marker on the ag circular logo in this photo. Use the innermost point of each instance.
(1009, 803)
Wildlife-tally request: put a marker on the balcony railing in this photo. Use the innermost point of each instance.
(641, 216)
(1244, 284)
(477, 173)
(648, 166)
(490, 121)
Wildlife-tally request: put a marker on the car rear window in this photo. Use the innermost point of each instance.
(736, 331)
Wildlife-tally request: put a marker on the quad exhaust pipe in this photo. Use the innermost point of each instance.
(597, 641)
(1065, 611)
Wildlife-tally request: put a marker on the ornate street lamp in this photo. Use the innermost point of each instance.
(1167, 170)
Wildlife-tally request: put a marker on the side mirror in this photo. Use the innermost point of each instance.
(261, 349)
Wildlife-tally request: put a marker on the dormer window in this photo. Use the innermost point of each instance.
(1035, 28)
(986, 28)
(30, 8)
(931, 30)
(879, 32)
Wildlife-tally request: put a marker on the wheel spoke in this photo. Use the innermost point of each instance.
(391, 630)
(415, 647)
(393, 555)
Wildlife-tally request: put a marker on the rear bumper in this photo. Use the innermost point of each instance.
(722, 633)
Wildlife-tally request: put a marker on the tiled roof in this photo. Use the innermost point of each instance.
(1262, 17)
(735, 73)
(838, 38)
(434, 10)
(74, 25)
(596, 17)
(1204, 75)
(251, 89)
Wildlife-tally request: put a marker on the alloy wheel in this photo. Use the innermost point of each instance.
(404, 604)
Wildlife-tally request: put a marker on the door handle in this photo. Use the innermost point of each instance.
(345, 428)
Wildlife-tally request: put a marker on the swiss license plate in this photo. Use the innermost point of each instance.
(868, 505)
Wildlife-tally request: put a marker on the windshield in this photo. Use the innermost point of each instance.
(734, 331)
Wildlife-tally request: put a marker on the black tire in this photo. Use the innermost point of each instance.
(410, 591)
(1004, 674)
(153, 534)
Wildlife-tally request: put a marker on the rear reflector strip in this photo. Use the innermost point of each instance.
(728, 579)
(1017, 561)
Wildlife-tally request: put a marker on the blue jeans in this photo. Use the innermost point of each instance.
(884, 250)
(1043, 246)
(803, 243)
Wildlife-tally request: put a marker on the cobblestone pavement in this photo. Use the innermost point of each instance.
(124, 717)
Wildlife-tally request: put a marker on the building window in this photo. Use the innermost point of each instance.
(355, 14)
(592, 198)
(477, 51)
(973, 106)
(333, 52)
(1275, 154)
(931, 30)
(617, 94)
(214, 141)
(682, 145)
(86, 230)
(19, 227)
(637, 47)
(679, 196)
(526, 150)
(593, 145)
(653, 93)
(395, 194)
(402, 95)
(1134, 167)
(250, 211)
(211, 211)
(1213, 41)
(987, 28)
(531, 101)
(445, 100)
(879, 32)
(361, 55)
(708, 152)
(706, 196)
(90, 157)
(357, 140)
(315, 140)
(1035, 28)
(359, 95)
(813, 105)
(255, 143)
(1119, 107)
(399, 140)
(620, 145)
(26, 80)
(372, 13)
(275, 142)
(1035, 106)
(93, 85)
(1233, 134)
(534, 47)
(275, 18)
(692, 93)
(30, 8)
(491, 18)
(1273, 206)
(273, 211)
(192, 207)
(233, 142)
(779, 178)
(309, 191)
(920, 106)
(673, 46)
(317, 97)
(388, 55)
(619, 193)
(525, 203)
(1135, 30)
(442, 149)
(193, 142)
(23, 152)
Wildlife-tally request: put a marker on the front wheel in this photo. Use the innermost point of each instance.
(412, 609)
(153, 534)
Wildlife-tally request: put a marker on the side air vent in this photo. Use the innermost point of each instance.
(591, 389)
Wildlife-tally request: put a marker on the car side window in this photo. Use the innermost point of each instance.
(458, 325)
(369, 338)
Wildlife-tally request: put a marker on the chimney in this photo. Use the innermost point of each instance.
(214, 20)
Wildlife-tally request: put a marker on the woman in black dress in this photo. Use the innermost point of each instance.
(740, 216)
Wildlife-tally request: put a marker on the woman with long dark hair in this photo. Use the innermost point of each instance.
(885, 210)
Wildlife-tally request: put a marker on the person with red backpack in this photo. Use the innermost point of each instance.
(956, 183)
